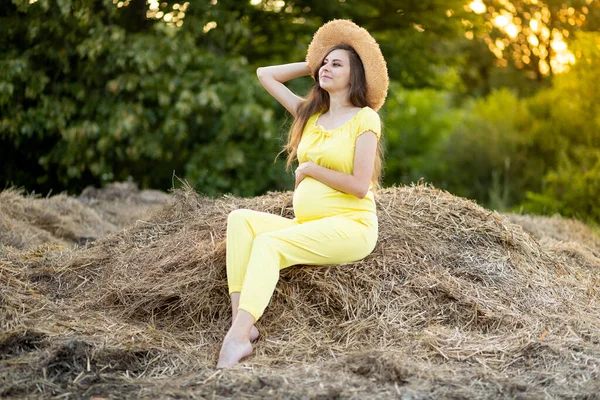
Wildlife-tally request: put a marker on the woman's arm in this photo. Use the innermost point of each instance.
(273, 77)
(356, 184)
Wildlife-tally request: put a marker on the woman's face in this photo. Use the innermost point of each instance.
(334, 74)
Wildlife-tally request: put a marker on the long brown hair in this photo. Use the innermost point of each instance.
(318, 100)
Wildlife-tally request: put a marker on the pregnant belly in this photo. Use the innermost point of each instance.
(313, 200)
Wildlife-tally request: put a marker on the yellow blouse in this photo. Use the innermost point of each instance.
(333, 149)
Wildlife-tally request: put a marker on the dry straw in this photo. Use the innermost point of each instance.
(455, 301)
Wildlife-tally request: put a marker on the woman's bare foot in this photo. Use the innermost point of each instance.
(233, 351)
(254, 334)
(236, 344)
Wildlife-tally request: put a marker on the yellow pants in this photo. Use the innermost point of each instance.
(260, 244)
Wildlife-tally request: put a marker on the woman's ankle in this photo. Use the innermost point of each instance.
(241, 327)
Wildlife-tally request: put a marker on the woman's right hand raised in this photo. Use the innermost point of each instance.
(273, 77)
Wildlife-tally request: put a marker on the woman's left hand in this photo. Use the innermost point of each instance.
(303, 171)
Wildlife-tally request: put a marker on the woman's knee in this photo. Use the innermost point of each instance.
(266, 239)
(240, 214)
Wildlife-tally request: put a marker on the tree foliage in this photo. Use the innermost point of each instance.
(417, 122)
(539, 154)
(480, 149)
(410, 32)
(88, 101)
(531, 35)
(568, 118)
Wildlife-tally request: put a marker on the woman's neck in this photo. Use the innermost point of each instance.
(339, 102)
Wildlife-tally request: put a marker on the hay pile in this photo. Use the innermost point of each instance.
(568, 240)
(455, 301)
(28, 221)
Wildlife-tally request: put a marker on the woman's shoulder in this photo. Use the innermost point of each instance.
(368, 114)
(368, 120)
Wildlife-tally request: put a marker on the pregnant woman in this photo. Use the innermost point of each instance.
(335, 139)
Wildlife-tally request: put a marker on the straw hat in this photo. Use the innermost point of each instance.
(340, 31)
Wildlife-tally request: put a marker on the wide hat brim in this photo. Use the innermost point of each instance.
(339, 31)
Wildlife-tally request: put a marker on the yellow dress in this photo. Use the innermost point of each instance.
(333, 149)
(330, 227)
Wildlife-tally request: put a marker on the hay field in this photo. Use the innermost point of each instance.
(122, 294)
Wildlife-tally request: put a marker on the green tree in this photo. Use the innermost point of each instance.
(568, 131)
(485, 155)
(416, 122)
(530, 35)
(409, 32)
(84, 99)
(572, 189)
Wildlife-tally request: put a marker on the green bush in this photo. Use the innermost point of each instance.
(568, 131)
(85, 100)
(573, 189)
(415, 122)
(484, 154)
